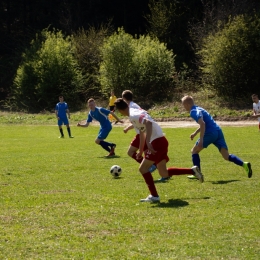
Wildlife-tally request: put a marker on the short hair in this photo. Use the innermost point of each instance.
(120, 104)
(60, 96)
(254, 95)
(187, 99)
(127, 95)
(91, 100)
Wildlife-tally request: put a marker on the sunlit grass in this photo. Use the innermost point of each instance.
(59, 201)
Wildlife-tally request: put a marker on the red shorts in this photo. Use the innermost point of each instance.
(160, 145)
(136, 141)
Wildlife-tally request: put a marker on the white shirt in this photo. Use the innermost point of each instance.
(137, 117)
(132, 104)
(256, 108)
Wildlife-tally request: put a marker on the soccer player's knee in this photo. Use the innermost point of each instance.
(97, 141)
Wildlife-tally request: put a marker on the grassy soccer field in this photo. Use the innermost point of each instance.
(59, 201)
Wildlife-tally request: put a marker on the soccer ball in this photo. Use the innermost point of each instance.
(115, 171)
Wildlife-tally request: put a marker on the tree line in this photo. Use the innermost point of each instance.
(158, 45)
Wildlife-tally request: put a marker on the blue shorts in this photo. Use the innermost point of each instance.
(217, 138)
(103, 132)
(63, 120)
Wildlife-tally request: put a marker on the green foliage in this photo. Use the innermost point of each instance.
(48, 68)
(143, 65)
(88, 43)
(231, 57)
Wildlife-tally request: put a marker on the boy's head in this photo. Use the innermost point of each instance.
(91, 103)
(187, 102)
(112, 93)
(122, 106)
(61, 98)
(255, 98)
(127, 95)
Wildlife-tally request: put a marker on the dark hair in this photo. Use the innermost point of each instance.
(121, 104)
(128, 95)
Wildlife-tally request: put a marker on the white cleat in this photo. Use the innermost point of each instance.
(198, 173)
(151, 199)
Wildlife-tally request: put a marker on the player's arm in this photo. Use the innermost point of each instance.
(68, 113)
(86, 124)
(56, 113)
(128, 128)
(201, 131)
(149, 128)
(255, 114)
(116, 117)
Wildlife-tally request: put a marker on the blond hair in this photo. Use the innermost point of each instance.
(188, 99)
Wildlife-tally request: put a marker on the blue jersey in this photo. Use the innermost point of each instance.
(62, 109)
(197, 112)
(101, 115)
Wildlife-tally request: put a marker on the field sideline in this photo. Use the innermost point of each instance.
(59, 201)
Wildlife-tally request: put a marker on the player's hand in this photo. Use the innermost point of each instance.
(150, 148)
(138, 155)
(192, 136)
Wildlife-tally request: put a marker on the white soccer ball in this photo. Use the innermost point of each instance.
(115, 171)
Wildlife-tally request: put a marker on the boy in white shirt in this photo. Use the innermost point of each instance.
(151, 134)
(256, 108)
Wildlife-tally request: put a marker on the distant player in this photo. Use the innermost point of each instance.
(151, 134)
(100, 114)
(210, 133)
(112, 100)
(256, 108)
(61, 111)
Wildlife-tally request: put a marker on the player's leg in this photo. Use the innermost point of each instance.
(148, 178)
(68, 128)
(102, 135)
(60, 128)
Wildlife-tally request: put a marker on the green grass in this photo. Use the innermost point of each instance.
(59, 201)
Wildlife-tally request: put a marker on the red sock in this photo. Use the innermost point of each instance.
(179, 171)
(150, 183)
(138, 160)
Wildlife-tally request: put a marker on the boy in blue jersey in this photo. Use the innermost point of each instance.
(210, 133)
(61, 111)
(100, 114)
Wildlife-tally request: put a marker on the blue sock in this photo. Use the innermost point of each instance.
(235, 159)
(196, 159)
(105, 145)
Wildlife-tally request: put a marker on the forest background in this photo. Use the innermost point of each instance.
(159, 49)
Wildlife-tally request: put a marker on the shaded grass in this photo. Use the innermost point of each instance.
(59, 201)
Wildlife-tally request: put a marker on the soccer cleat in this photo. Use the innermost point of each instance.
(113, 147)
(247, 167)
(164, 179)
(192, 177)
(62, 136)
(151, 199)
(71, 136)
(111, 154)
(152, 168)
(197, 173)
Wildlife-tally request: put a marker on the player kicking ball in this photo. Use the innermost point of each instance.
(157, 144)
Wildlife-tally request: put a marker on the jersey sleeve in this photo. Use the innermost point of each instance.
(90, 118)
(195, 114)
(105, 111)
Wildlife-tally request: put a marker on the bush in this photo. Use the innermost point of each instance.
(231, 57)
(143, 65)
(48, 69)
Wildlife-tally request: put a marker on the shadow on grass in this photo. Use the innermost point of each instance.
(110, 157)
(223, 182)
(177, 203)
